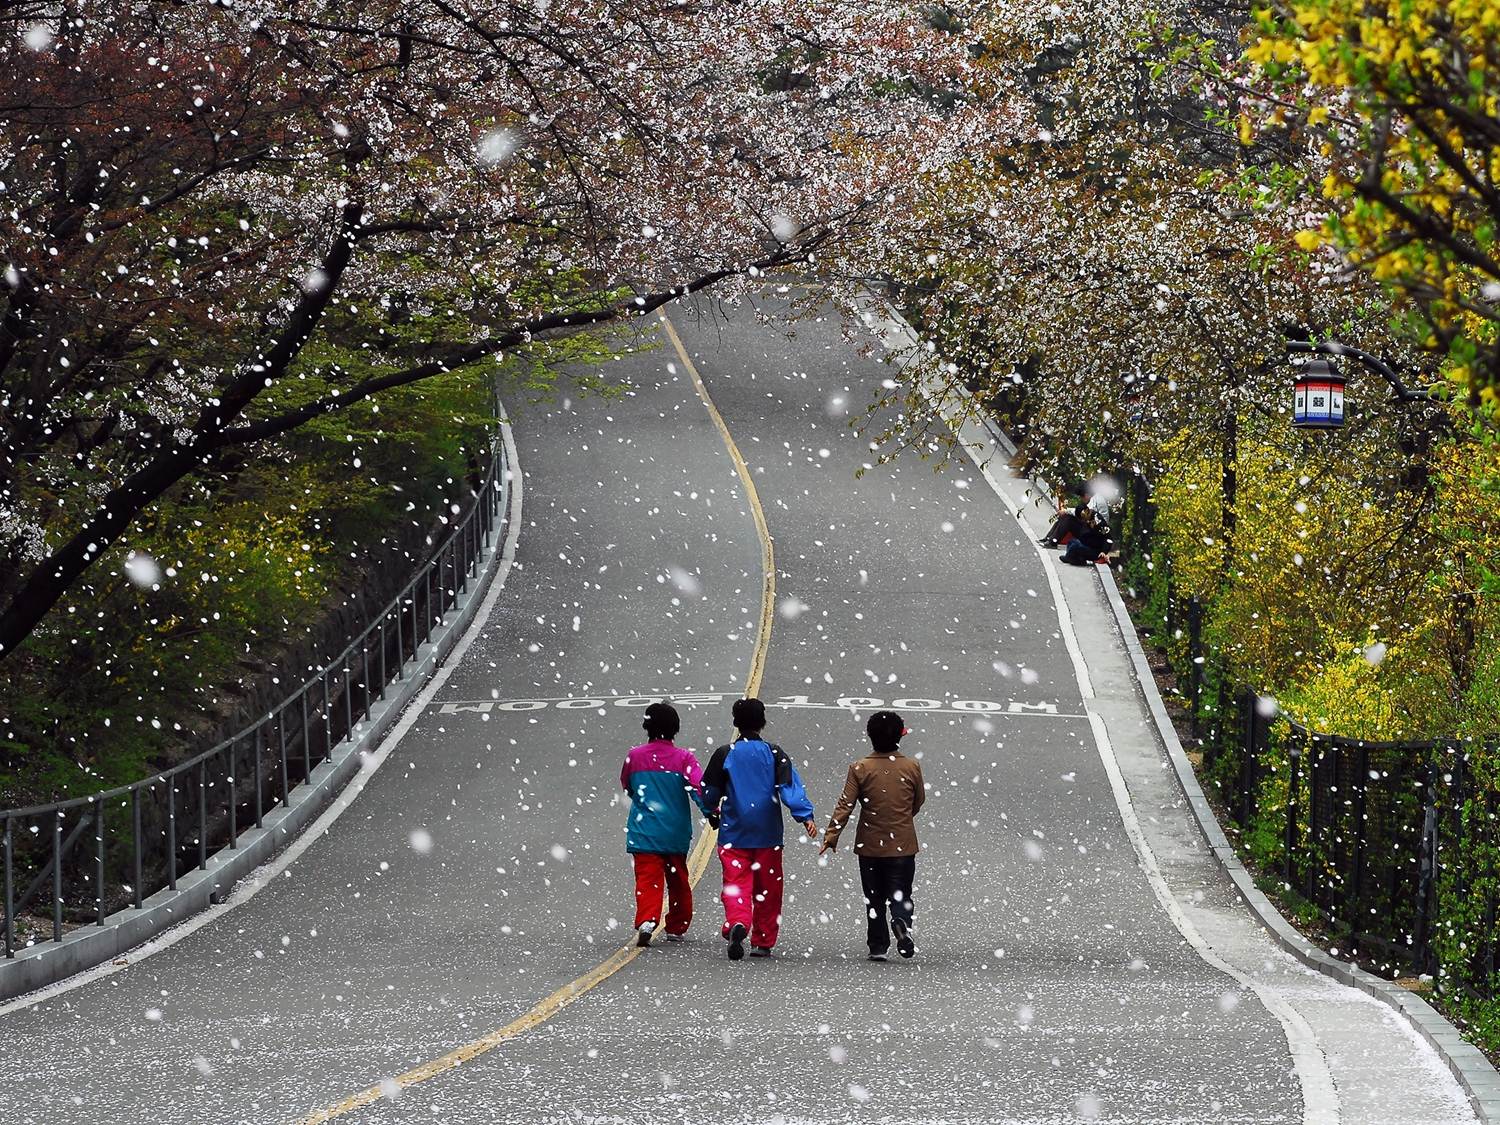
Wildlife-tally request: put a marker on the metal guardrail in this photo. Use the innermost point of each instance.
(138, 839)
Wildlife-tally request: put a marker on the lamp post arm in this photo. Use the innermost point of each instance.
(1403, 393)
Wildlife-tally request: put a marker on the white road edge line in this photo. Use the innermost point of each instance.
(1320, 1100)
(264, 875)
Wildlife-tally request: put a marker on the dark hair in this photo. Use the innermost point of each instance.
(749, 714)
(661, 721)
(885, 728)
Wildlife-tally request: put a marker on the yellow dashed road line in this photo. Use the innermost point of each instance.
(697, 861)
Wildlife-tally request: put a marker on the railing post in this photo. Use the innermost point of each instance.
(1339, 904)
(203, 815)
(57, 875)
(1294, 792)
(99, 861)
(286, 786)
(382, 657)
(306, 741)
(327, 718)
(1309, 890)
(258, 744)
(10, 897)
(400, 642)
(364, 652)
(1426, 869)
(1361, 832)
(234, 817)
(1249, 759)
(171, 780)
(489, 514)
(1195, 658)
(135, 836)
(348, 700)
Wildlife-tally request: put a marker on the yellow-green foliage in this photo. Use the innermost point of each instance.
(1368, 611)
(1395, 105)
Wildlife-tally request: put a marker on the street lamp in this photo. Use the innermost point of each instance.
(1318, 401)
(1318, 395)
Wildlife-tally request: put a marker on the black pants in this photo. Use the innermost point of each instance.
(886, 881)
(1067, 524)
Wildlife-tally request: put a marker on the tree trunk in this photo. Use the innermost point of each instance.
(51, 578)
(1229, 457)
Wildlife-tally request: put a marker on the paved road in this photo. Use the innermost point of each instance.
(1050, 986)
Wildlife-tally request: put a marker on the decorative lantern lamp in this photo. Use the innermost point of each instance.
(1318, 396)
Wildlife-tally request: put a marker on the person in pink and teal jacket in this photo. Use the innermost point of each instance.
(664, 781)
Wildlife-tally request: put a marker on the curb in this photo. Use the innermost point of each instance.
(88, 946)
(1468, 1064)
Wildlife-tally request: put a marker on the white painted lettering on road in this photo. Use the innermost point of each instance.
(850, 703)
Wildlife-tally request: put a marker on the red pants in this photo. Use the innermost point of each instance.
(752, 892)
(655, 873)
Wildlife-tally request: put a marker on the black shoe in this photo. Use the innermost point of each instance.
(904, 945)
(1047, 541)
(737, 934)
(881, 956)
(761, 951)
(643, 934)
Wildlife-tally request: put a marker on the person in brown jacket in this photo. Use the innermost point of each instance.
(889, 790)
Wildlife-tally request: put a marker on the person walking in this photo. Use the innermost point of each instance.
(663, 780)
(744, 787)
(888, 788)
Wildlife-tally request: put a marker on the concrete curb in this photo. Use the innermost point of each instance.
(87, 946)
(1480, 1080)
(1474, 1072)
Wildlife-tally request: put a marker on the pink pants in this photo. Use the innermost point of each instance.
(752, 892)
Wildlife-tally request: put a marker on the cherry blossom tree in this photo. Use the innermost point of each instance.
(197, 197)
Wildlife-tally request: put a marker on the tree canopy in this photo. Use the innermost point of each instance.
(198, 196)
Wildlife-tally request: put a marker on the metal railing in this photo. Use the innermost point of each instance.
(1394, 846)
(91, 856)
(1383, 840)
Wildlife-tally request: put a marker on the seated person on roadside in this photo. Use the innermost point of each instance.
(888, 788)
(1071, 523)
(1090, 544)
(744, 787)
(663, 780)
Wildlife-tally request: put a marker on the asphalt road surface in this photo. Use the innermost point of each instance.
(1049, 985)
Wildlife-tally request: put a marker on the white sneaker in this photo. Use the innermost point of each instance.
(879, 957)
(677, 937)
(644, 932)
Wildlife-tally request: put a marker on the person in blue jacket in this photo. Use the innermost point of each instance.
(744, 787)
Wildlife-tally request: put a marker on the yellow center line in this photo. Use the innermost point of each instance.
(767, 555)
(702, 851)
